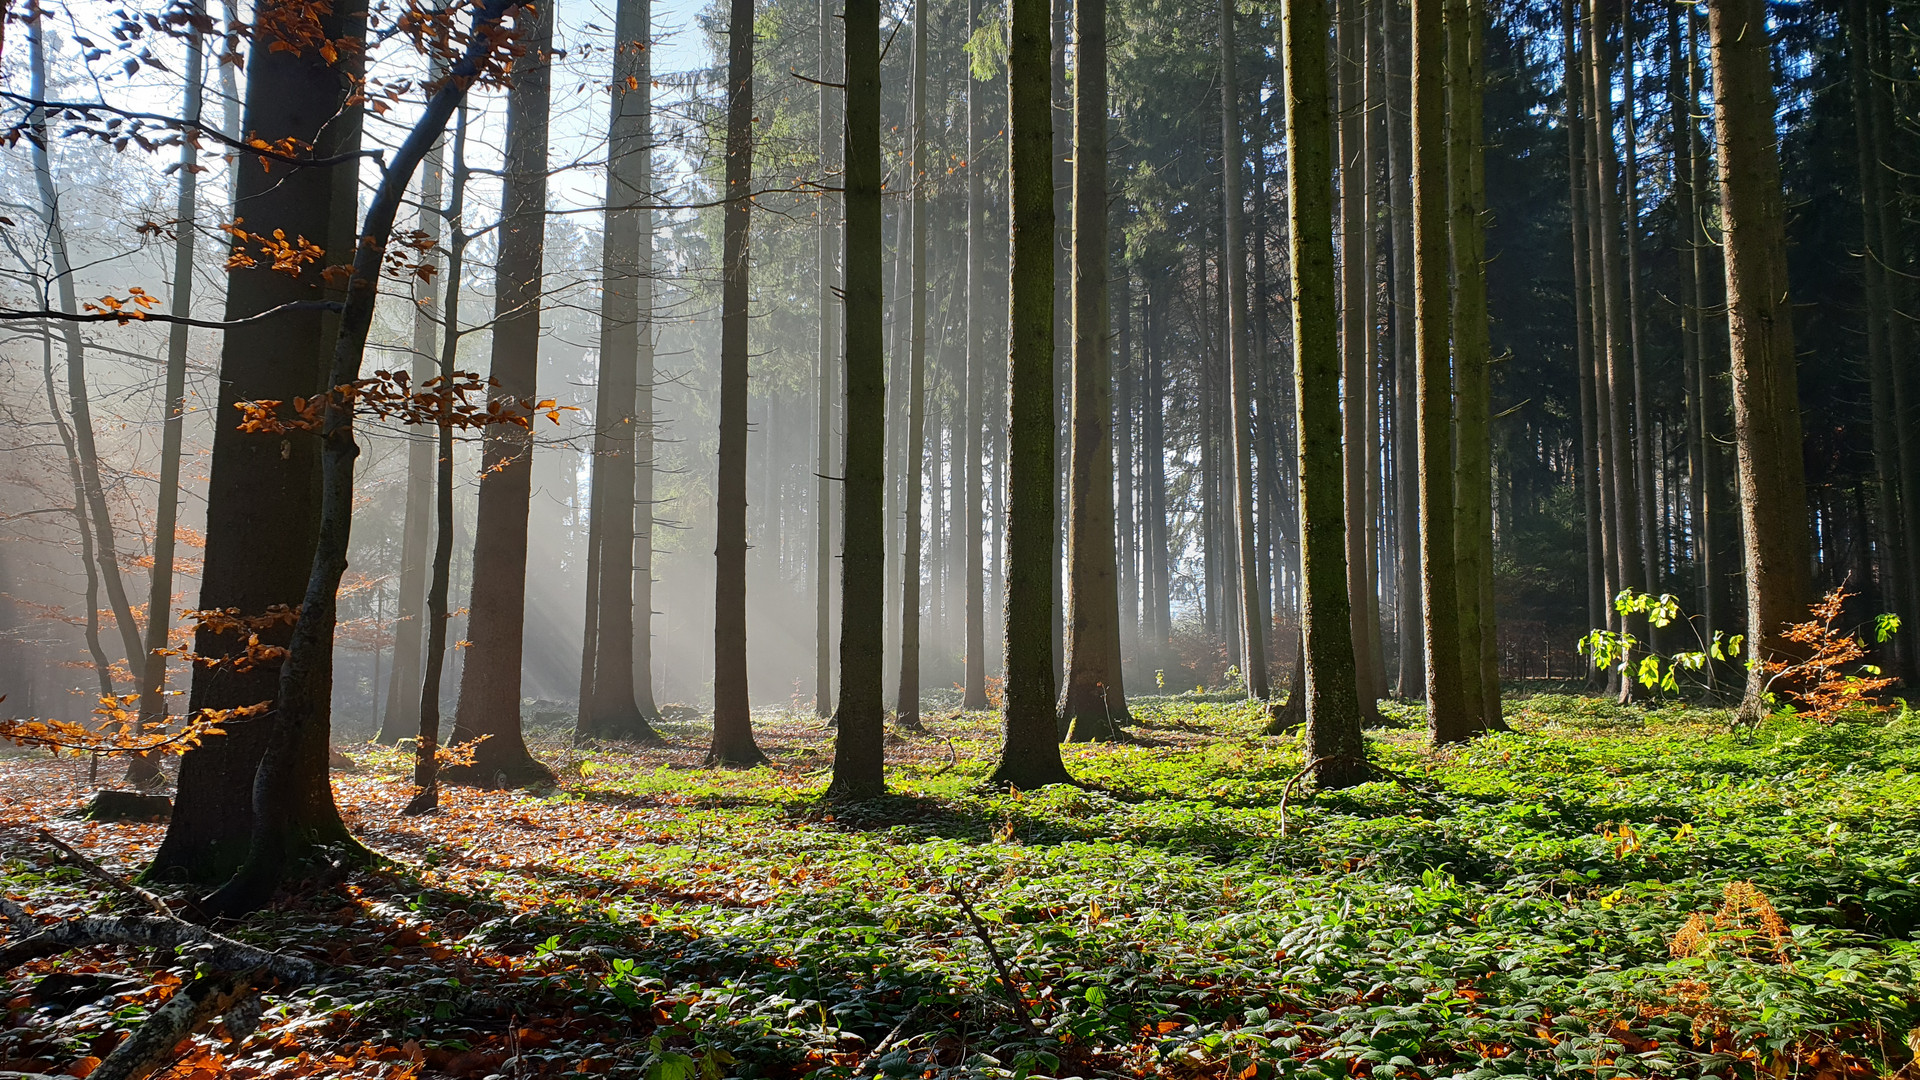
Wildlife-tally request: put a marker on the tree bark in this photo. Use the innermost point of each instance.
(1254, 614)
(733, 742)
(264, 485)
(1598, 608)
(1410, 678)
(1094, 701)
(490, 679)
(825, 462)
(612, 708)
(293, 809)
(1448, 715)
(974, 682)
(1356, 339)
(859, 747)
(1030, 749)
(1473, 459)
(1336, 751)
(907, 704)
(1766, 399)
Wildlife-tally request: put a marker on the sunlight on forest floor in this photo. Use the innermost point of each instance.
(1514, 907)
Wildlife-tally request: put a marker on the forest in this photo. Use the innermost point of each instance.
(1474, 630)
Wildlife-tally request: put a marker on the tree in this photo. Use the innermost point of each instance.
(153, 666)
(426, 762)
(1473, 464)
(974, 684)
(1095, 699)
(1029, 749)
(611, 705)
(490, 680)
(733, 742)
(1447, 717)
(1766, 399)
(1253, 610)
(1336, 751)
(907, 707)
(827, 240)
(262, 486)
(859, 747)
(291, 791)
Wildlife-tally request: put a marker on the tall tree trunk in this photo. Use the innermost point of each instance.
(153, 662)
(1585, 331)
(1643, 456)
(1889, 539)
(733, 742)
(1336, 751)
(1233, 262)
(426, 766)
(90, 630)
(1030, 749)
(1766, 399)
(1094, 700)
(1061, 136)
(611, 709)
(490, 680)
(264, 485)
(401, 716)
(1473, 459)
(1356, 338)
(907, 704)
(1410, 679)
(1896, 167)
(974, 681)
(1616, 380)
(859, 748)
(825, 463)
(1448, 715)
(1686, 211)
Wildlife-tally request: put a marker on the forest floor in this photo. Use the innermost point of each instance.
(1604, 892)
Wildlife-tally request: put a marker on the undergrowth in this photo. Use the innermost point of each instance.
(1604, 892)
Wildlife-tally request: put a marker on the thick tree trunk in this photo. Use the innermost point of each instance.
(266, 485)
(1030, 749)
(859, 748)
(733, 742)
(1473, 458)
(490, 678)
(612, 708)
(1448, 715)
(1094, 700)
(1336, 751)
(1254, 616)
(293, 814)
(1766, 399)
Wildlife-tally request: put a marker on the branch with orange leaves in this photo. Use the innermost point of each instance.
(390, 395)
(65, 736)
(133, 308)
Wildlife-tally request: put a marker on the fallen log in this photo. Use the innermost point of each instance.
(216, 951)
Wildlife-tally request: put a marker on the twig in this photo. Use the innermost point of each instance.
(953, 759)
(113, 881)
(886, 1044)
(993, 954)
(1287, 792)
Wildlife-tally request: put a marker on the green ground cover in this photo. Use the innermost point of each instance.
(1514, 907)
